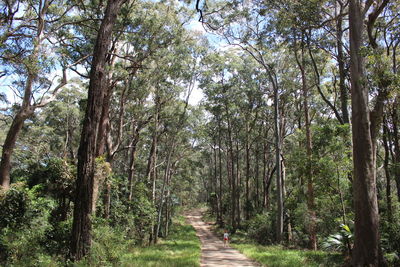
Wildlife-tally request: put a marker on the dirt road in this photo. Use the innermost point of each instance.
(213, 252)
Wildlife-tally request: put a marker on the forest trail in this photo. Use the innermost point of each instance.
(213, 252)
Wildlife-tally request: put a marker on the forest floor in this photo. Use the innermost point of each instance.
(213, 252)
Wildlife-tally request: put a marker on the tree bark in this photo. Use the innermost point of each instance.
(132, 157)
(257, 178)
(386, 145)
(366, 243)
(279, 191)
(238, 184)
(167, 174)
(82, 224)
(309, 172)
(220, 219)
(9, 144)
(231, 160)
(344, 95)
(215, 180)
(247, 206)
(396, 144)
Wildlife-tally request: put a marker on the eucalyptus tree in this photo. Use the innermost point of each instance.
(300, 17)
(153, 32)
(365, 126)
(31, 51)
(81, 230)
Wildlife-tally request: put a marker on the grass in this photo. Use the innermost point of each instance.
(180, 249)
(277, 256)
(111, 249)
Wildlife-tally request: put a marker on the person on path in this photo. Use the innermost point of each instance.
(226, 238)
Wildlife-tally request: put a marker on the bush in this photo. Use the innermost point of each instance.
(260, 229)
(390, 238)
(57, 238)
(108, 247)
(144, 212)
(13, 206)
(341, 241)
(24, 223)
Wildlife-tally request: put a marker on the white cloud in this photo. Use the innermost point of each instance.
(196, 26)
(196, 96)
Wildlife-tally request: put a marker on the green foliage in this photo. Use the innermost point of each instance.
(109, 246)
(390, 237)
(57, 239)
(341, 241)
(331, 167)
(22, 236)
(134, 218)
(13, 206)
(60, 178)
(260, 229)
(144, 212)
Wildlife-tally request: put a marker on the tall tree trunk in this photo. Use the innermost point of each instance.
(215, 181)
(366, 243)
(344, 95)
(9, 144)
(312, 233)
(137, 127)
(167, 173)
(277, 133)
(247, 205)
(265, 173)
(279, 191)
(231, 160)
(151, 163)
(132, 157)
(220, 221)
(396, 144)
(81, 227)
(386, 145)
(238, 185)
(257, 178)
(107, 200)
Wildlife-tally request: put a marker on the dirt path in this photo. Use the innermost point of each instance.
(213, 252)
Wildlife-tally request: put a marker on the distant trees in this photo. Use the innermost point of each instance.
(329, 57)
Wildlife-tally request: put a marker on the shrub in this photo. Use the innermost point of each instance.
(57, 238)
(390, 240)
(341, 241)
(260, 229)
(109, 245)
(24, 224)
(143, 210)
(13, 206)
